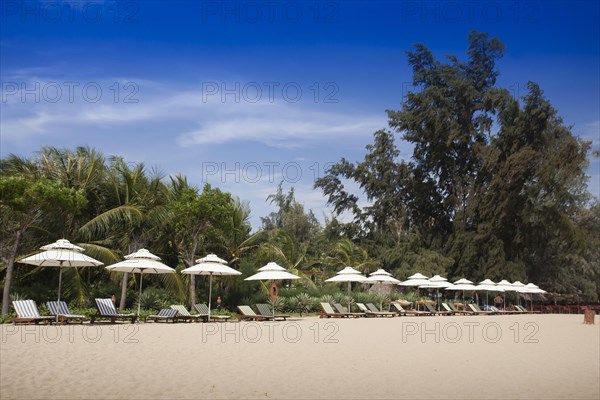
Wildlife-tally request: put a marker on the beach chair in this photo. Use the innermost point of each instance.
(266, 311)
(476, 310)
(184, 315)
(527, 311)
(340, 309)
(165, 314)
(27, 311)
(246, 313)
(454, 311)
(373, 308)
(328, 312)
(364, 309)
(454, 308)
(203, 311)
(433, 311)
(402, 311)
(496, 310)
(62, 313)
(107, 310)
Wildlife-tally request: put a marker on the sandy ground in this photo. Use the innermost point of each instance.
(495, 357)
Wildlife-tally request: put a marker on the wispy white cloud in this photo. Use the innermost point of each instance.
(32, 109)
(177, 128)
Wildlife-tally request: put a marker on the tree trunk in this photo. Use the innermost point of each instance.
(124, 290)
(192, 291)
(9, 272)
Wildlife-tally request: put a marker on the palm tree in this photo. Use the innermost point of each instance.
(236, 240)
(135, 211)
(77, 173)
(348, 254)
(284, 250)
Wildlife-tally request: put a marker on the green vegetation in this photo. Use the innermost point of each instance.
(495, 188)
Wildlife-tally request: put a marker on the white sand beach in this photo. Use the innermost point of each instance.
(470, 357)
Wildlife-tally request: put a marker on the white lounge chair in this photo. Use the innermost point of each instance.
(27, 311)
(107, 310)
(62, 313)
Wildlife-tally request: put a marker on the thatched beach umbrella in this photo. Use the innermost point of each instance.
(61, 254)
(416, 280)
(381, 277)
(507, 286)
(462, 284)
(210, 265)
(272, 272)
(436, 282)
(349, 275)
(488, 285)
(142, 262)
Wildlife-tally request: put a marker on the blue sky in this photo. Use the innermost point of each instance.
(243, 94)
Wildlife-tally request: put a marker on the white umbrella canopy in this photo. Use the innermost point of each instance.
(507, 287)
(142, 262)
(210, 265)
(533, 288)
(463, 281)
(462, 284)
(415, 280)
(61, 254)
(519, 288)
(62, 244)
(272, 272)
(488, 286)
(418, 275)
(349, 275)
(381, 277)
(436, 282)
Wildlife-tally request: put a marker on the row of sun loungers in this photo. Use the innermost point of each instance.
(265, 313)
(27, 312)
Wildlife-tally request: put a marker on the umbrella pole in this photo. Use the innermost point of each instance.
(59, 279)
(209, 294)
(140, 295)
(349, 284)
(417, 299)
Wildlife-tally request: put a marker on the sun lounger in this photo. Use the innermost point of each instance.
(433, 311)
(367, 312)
(340, 309)
(61, 311)
(328, 312)
(476, 310)
(453, 311)
(184, 315)
(453, 308)
(526, 310)
(165, 314)
(27, 312)
(247, 313)
(107, 310)
(266, 311)
(373, 309)
(401, 311)
(496, 310)
(203, 311)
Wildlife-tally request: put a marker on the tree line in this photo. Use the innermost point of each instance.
(495, 188)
